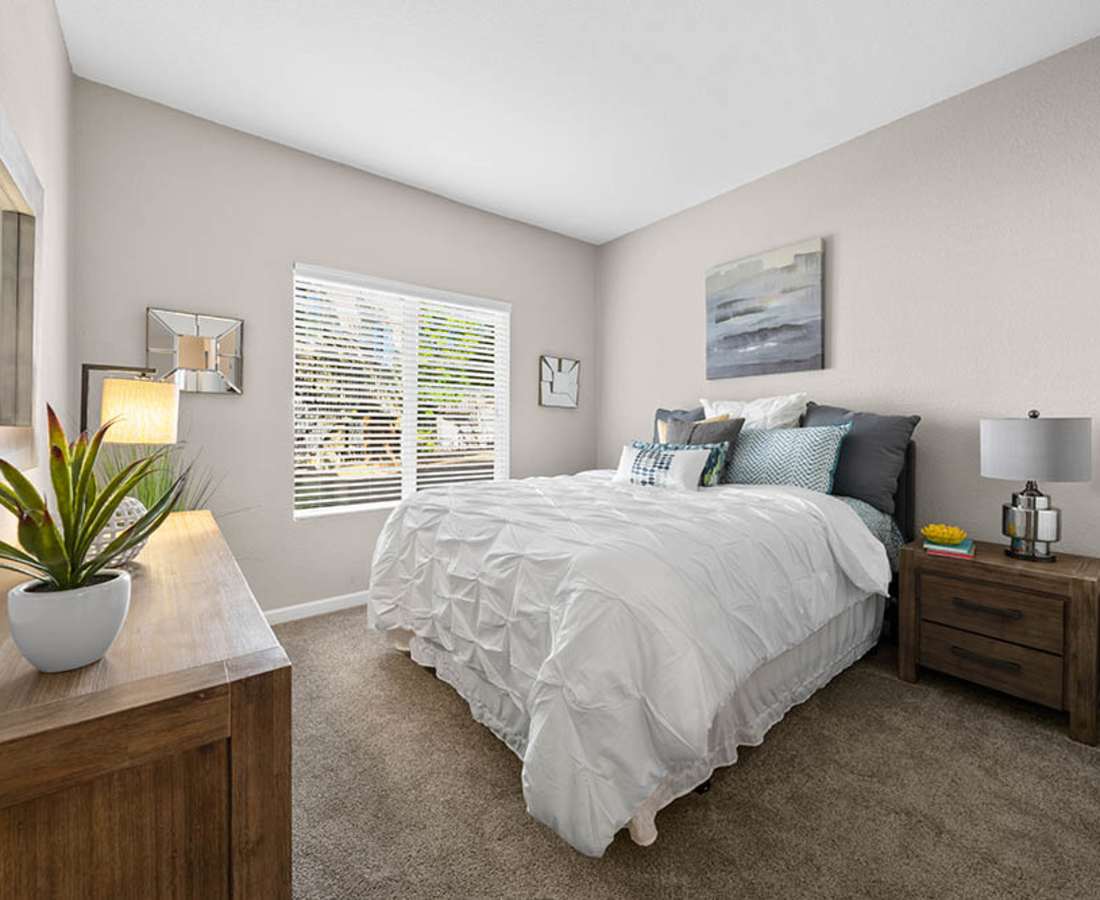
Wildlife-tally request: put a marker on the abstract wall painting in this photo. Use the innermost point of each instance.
(559, 381)
(765, 313)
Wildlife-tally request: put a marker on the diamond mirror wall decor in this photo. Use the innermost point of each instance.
(559, 381)
(200, 353)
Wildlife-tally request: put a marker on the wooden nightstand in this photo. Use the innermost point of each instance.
(1025, 628)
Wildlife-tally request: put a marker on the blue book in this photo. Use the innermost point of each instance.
(966, 548)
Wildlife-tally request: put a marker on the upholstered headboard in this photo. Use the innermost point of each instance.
(905, 511)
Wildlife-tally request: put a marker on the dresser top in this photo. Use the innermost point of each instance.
(992, 560)
(193, 623)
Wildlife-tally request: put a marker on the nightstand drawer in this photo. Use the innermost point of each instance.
(998, 612)
(1019, 671)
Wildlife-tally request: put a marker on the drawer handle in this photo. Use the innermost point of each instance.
(992, 662)
(971, 606)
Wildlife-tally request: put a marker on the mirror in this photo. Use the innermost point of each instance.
(20, 221)
(16, 314)
(200, 353)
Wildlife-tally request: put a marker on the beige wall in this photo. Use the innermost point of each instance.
(35, 93)
(962, 280)
(175, 211)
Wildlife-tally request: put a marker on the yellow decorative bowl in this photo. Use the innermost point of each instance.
(939, 533)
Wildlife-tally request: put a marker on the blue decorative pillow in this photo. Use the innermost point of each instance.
(803, 457)
(715, 464)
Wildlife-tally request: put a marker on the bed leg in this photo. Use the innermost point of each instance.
(643, 832)
(399, 640)
(703, 788)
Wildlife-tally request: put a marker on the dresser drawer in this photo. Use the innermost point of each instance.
(997, 612)
(1019, 671)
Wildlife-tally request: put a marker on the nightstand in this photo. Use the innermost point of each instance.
(1030, 629)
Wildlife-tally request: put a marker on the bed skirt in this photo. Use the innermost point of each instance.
(773, 689)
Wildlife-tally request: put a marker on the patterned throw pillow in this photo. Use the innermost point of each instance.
(715, 464)
(661, 465)
(803, 457)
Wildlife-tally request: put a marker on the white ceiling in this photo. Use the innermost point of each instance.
(588, 117)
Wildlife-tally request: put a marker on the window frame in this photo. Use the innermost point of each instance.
(417, 292)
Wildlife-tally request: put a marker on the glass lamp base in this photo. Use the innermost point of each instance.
(1032, 524)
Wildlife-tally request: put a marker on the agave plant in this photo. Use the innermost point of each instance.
(56, 551)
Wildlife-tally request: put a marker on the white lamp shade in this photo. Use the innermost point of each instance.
(1037, 449)
(145, 412)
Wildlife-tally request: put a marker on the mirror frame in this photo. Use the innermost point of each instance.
(18, 442)
(225, 335)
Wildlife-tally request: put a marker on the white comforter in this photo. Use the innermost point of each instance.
(618, 618)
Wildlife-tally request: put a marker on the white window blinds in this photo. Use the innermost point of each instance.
(396, 389)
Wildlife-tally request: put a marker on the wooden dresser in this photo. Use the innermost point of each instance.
(164, 769)
(1031, 629)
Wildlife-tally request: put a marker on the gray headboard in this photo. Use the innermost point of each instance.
(905, 511)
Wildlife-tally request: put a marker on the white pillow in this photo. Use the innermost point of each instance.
(782, 411)
(654, 465)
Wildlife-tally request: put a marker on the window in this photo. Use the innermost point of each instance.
(396, 389)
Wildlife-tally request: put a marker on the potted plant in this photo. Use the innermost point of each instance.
(72, 609)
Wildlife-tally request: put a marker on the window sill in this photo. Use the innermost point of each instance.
(307, 514)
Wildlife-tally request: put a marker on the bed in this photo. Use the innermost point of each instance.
(624, 642)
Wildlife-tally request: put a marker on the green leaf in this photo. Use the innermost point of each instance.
(10, 502)
(139, 531)
(76, 455)
(85, 483)
(91, 491)
(24, 490)
(57, 434)
(37, 576)
(14, 554)
(113, 493)
(10, 550)
(39, 536)
(62, 477)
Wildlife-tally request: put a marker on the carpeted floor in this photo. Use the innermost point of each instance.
(873, 788)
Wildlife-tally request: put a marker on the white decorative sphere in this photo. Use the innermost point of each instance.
(129, 511)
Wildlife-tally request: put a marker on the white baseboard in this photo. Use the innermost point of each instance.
(315, 607)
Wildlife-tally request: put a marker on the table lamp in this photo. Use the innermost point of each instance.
(1029, 450)
(146, 411)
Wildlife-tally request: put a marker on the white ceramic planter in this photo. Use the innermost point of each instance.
(61, 630)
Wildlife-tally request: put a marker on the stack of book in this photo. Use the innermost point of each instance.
(965, 550)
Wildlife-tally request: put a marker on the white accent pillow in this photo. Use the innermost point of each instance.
(782, 411)
(655, 465)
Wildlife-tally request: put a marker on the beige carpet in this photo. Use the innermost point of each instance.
(873, 788)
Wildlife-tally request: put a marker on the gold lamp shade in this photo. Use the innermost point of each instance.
(145, 412)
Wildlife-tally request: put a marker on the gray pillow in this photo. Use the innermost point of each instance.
(676, 415)
(724, 432)
(871, 457)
